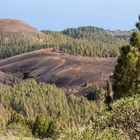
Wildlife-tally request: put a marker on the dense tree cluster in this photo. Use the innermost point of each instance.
(39, 110)
(97, 44)
(82, 47)
(24, 102)
(14, 44)
(96, 34)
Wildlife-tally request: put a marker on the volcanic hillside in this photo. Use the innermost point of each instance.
(64, 70)
(15, 26)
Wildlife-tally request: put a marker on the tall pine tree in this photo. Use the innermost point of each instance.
(126, 78)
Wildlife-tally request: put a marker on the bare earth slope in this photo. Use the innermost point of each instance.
(13, 26)
(62, 69)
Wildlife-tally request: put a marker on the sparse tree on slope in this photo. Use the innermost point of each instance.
(109, 93)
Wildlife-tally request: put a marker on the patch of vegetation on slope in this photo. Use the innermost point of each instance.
(84, 41)
(97, 35)
(123, 119)
(18, 44)
(22, 104)
(81, 46)
(42, 110)
(14, 44)
(120, 123)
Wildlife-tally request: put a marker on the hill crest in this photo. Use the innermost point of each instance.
(16, 26)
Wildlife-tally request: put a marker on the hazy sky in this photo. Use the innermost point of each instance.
(60, 14)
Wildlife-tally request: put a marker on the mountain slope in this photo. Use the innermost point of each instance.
(15, 26)
(64, 70)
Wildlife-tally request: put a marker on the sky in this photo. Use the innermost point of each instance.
(61, 14)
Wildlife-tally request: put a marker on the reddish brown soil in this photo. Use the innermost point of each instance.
(64, 70)
(12, 26)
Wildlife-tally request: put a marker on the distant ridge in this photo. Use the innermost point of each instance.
(93, 33)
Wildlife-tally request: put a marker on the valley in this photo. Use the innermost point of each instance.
(75, 84)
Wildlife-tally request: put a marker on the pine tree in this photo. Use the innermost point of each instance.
(40, 126)
(52, 130)
(126, 78)
(138, 24)
(109, 94)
